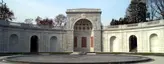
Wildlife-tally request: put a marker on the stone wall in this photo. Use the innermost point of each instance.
(150, 35)
(142, 31)
(24, 36)
(94, 16)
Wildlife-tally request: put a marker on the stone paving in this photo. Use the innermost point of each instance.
(100, 58)
(4, 62)
(157, 60)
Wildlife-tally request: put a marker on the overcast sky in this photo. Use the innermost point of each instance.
(50, 8)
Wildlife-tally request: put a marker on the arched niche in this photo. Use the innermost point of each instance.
(154, 44)
(113, 44)
(53, 44)
(13, 42)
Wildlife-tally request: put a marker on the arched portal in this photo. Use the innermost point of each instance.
(83, 39)
(13, 43)
(34, 44)
(133, 43)
(154, 46)
(53, 44)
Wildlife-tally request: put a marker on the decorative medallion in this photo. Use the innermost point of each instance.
(95, 19)
(72, 19)
(83, 15)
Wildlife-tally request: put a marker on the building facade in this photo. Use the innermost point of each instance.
(82, 33)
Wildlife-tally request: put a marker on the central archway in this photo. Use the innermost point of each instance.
(83, 39)
(34, 44)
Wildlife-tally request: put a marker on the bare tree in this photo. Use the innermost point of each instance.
(151, 12)
(60, 19)
(44, 22)
(38, 19)
(28, 21)
(156, 9)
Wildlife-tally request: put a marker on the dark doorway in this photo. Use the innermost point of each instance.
(34, 44)
(133, 44)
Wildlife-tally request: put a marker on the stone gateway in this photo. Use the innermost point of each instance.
(83, 32)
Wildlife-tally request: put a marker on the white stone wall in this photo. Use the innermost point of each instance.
(101, 36)
(142, 32)
(24, 37)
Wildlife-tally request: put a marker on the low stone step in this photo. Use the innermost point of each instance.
(44, 53)
(91, 53)
(75, 53)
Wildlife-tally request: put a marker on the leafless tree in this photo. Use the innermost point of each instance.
(44, 22)
(28, 21)
(60, 19)
(38, 19)
(156, 9)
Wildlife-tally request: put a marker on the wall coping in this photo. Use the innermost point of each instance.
(135, 25)
(84, 10)
(115, 27)
(27, 26)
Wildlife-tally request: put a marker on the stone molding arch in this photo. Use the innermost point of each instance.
(34, 35)
(153, 34)
(93, 24)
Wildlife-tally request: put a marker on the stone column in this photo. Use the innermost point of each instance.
(97, 40)
(70, 40)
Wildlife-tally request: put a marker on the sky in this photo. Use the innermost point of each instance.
(24, 9)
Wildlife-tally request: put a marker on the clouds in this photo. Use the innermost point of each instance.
(50, 8)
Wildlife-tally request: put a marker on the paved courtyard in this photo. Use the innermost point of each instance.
(157, 60)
